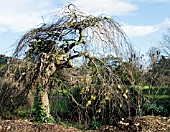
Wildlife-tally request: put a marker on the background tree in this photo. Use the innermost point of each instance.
(165, 44)
(159, 75)
(158, 69)
(154, 55)
(3, 64)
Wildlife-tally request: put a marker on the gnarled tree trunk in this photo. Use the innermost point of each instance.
(45, 101)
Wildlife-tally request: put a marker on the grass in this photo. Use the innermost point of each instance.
(158, 97)
(164, 97)
(162, 92)
(149, 87)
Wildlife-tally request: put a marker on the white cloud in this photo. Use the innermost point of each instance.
(108, 7)
(134, 30)
(3, 28)
(167, 22)
(143, 30)
(20, 15)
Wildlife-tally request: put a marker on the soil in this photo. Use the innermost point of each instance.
(137, 124)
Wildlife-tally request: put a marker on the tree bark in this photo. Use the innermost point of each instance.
(45, 101)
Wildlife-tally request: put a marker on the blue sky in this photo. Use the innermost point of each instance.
(144, 21)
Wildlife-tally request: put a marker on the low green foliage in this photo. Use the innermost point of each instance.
(155, 109)
(23, 113)
(94, 124)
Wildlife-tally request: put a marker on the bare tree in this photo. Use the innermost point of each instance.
(74, 40)
(166, 43)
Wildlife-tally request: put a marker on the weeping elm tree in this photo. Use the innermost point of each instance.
(74, 39)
